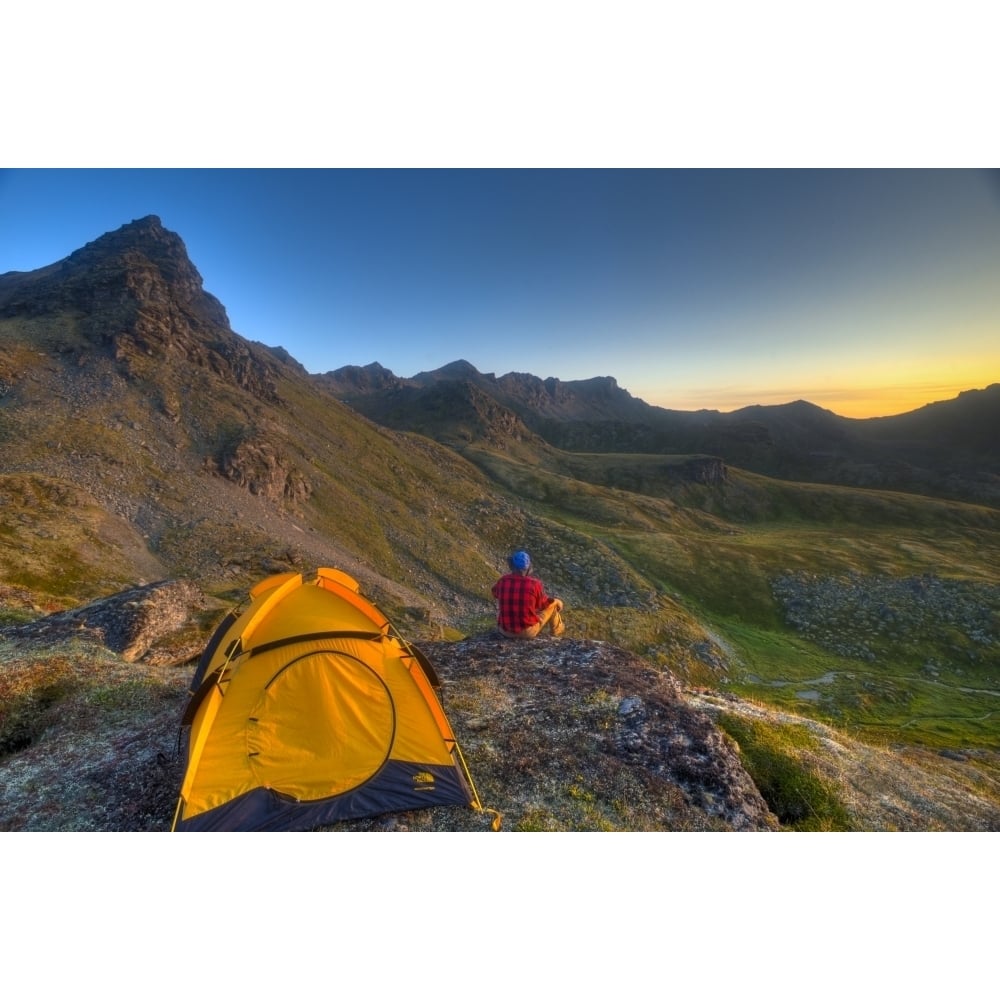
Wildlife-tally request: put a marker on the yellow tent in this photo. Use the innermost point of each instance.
(309, 708)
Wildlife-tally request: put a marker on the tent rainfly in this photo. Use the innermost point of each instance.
(309, 708)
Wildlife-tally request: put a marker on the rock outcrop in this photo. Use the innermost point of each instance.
(132, 623)
(260, 466)
(576, 734)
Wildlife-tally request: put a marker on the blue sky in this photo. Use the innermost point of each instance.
(866, 291)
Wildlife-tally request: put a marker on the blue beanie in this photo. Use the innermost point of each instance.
(520, 560)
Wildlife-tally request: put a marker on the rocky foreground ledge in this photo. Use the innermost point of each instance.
(575, 734)
(562, 734)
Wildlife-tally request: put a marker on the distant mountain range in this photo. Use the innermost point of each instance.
(948, 449)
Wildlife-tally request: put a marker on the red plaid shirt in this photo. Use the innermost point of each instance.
(520, 599)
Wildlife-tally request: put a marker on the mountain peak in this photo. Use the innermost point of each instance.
(460, 369)
(135, 295)
(147, 237)
(148, 223)
(354, 379)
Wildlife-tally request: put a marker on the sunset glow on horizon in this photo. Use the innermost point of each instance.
(856, 403)
(858, 394)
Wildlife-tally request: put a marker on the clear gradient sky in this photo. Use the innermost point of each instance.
(868, 292)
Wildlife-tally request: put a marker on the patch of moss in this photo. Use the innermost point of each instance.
(536, 820)
(23, 717)
(125, 697)
(794, 792)
(16, 616)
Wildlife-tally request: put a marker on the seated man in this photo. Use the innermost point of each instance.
(523, 609)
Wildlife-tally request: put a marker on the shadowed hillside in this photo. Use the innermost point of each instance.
(948, 449)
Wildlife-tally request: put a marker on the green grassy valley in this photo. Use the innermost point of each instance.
(902, 645)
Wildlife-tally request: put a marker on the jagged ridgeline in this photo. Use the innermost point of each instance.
(843, 570)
